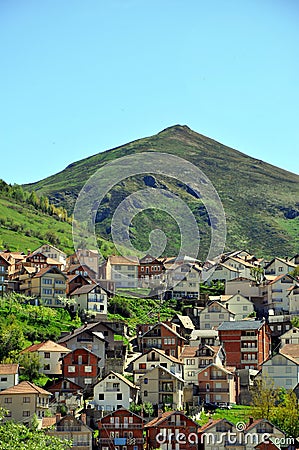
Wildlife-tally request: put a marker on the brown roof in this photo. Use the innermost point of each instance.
(122, 378)
(161, 352)
(291, 350)
(160, 419)
(47, 346)
(85, 289)
(9, 369)
(25, 387)
(44, 270)
(131, 260)
(189, 351)
(48, 422)
(167, 327)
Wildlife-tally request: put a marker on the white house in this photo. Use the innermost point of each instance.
(52, 252)
(113, 392)
(9, 375)
(93, 298)
(123, 271)
(290, 337)
(279, 266)
(239, 305)
(49, 354)
(213, 315)
(155, 357)
(283, 369)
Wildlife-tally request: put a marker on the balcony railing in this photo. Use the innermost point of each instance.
(67, 429)
(249, 361)
(218, 377)
(127, 426)
(248, 338)
(249, 349)
(212, 389)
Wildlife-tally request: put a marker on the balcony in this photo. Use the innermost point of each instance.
(126, 426)
(249, 361)
(212, 389)
(218, 377)
(68, 429)
(249, 349)
(248, 338)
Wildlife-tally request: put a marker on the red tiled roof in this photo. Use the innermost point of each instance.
(25, 387)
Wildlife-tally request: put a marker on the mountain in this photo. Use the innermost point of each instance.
(261, 201)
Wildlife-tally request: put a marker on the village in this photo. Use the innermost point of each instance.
(146, 390)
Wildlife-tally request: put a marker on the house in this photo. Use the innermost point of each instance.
(219, 434)
(246, 343)
(123, 271)
(9, 375)
(160, 336)
(243, 286)
(217, 385)
(256, 430)
(196, 358)
(12, 258)
(239, 305)
(279, 324)
(23, 401)
(213, 315)
(184, 325)
(290, 337)
(150, 270)
(75, 429)
(119, 429)
(113, 392)
(65, 391)
(94, 336)
(183, 278)
(283, 368)
(85, 257)
(81, 366)
(49, 354)
(74, 281)
(171, 430)
(92, 298)
(38, 261)
(279, 266)
(82, 269)
(209, 337)
(293, 301)
(155, 357)
(54, 253)
(222, 272)
(4, 270)
(161, 387)
(47, 285)
(277, 293)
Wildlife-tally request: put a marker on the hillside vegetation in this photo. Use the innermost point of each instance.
(260, 200)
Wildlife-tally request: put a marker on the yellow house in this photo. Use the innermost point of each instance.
(47, 285)
(23, 401)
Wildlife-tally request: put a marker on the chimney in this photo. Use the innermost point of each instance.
(83, 418)
(58, 417)
(251, 420)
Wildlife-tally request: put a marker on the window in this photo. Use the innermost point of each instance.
(145, 394)
(191, 374)
(47, 291)
(26, 413)
(8, 400)
(47, 355)
(245, 308)
(87, 380)
(221, 316)
(142, 366)
(280, 269)
(3, 378)
(145, 380)
(119, 396)
(87, 369)
(101, 396)
(26, 399)
(47, 281)
(71, 369)
(46, 366)
(289, 370)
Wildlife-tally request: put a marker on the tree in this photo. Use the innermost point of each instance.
(29, 361)
(11, 339)
(286, 415)
(295, 322)
(15, 436)
(295, 272)
(264, 397)
(257, 274)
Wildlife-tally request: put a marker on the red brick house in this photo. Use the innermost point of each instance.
(81, 366)
(160, 336)
(67, 392)
(172, 430)
(246, 343)
(119, 429)
(74, 281)
(149, 268)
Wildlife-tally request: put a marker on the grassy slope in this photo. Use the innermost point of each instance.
(256, 195)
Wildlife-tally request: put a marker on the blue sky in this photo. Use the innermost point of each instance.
(80, 77)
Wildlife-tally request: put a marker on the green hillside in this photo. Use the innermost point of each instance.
(261, 201)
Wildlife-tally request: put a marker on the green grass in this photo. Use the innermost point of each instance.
(238, 413)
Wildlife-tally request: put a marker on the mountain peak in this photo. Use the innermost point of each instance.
(176, 129)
